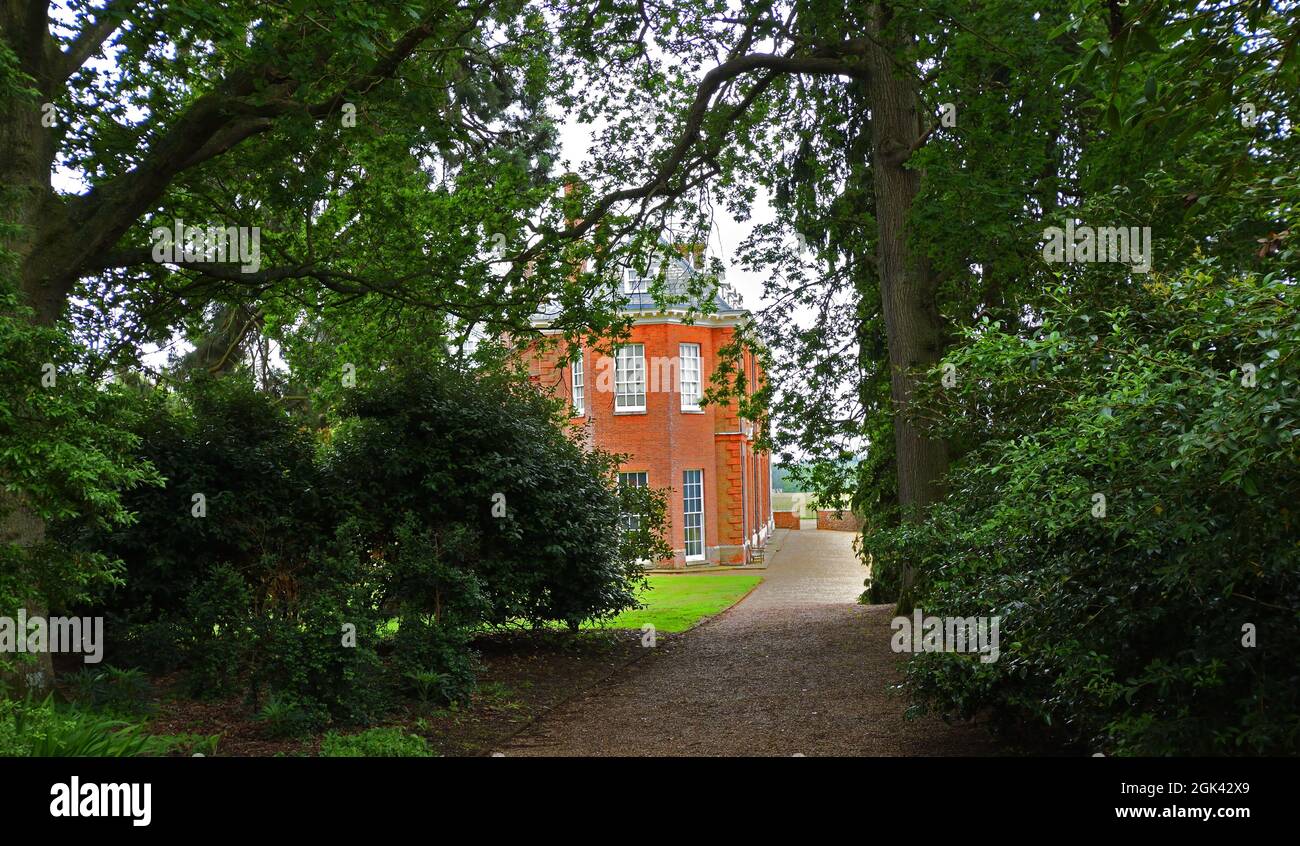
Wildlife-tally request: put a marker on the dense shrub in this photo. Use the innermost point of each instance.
(319, 645)
(217, 639)
(140, 639)
(433, 660)
(254, 593)
(1128, 630)
(311, 642)
(254, 468)
(437, 599)
(442, 502)
(484, 452)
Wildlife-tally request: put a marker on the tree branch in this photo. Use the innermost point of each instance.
(213, 124)
(713, 81)
(90, 39)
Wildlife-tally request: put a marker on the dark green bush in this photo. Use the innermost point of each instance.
(442, 501)
(217, 639)
(1126, 632)
(253, 594)
(319, 645)
(433, 573)
(255, 469)
(432, 588)
(485, 453)
(146, 641)
(434, 660)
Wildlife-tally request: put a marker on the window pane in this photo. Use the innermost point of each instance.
(633, 282)
(690, 374)
(633, 480)
(629, 378)
(579, 386)
(693, 512)
(632, 522)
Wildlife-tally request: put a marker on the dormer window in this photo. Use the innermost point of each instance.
(633, 282)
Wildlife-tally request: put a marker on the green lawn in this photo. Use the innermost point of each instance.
(675, 603)
(672, 603)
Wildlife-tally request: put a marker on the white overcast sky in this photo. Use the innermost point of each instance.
(727, 234)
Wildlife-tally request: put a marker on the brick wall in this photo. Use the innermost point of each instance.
(664, 441)
(786, 520)
(849, 522)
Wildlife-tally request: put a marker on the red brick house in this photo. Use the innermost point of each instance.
(644, 401)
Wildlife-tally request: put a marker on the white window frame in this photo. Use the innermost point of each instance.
(691, 371)
(633, 282)
(579, 386)
(629, 378)
(635, 479)
(693, 494)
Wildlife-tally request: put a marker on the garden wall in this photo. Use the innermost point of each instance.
(845, 521)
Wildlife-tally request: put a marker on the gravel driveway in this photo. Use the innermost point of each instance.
(798, 667)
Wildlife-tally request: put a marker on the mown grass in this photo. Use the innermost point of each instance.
(675, 603)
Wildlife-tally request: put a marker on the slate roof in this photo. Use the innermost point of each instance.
(725, 301)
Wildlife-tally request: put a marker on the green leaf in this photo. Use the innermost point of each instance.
(1112, 116)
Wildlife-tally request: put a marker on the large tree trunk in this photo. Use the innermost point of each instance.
(26, 155)
(20, 525)
(907, 283)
